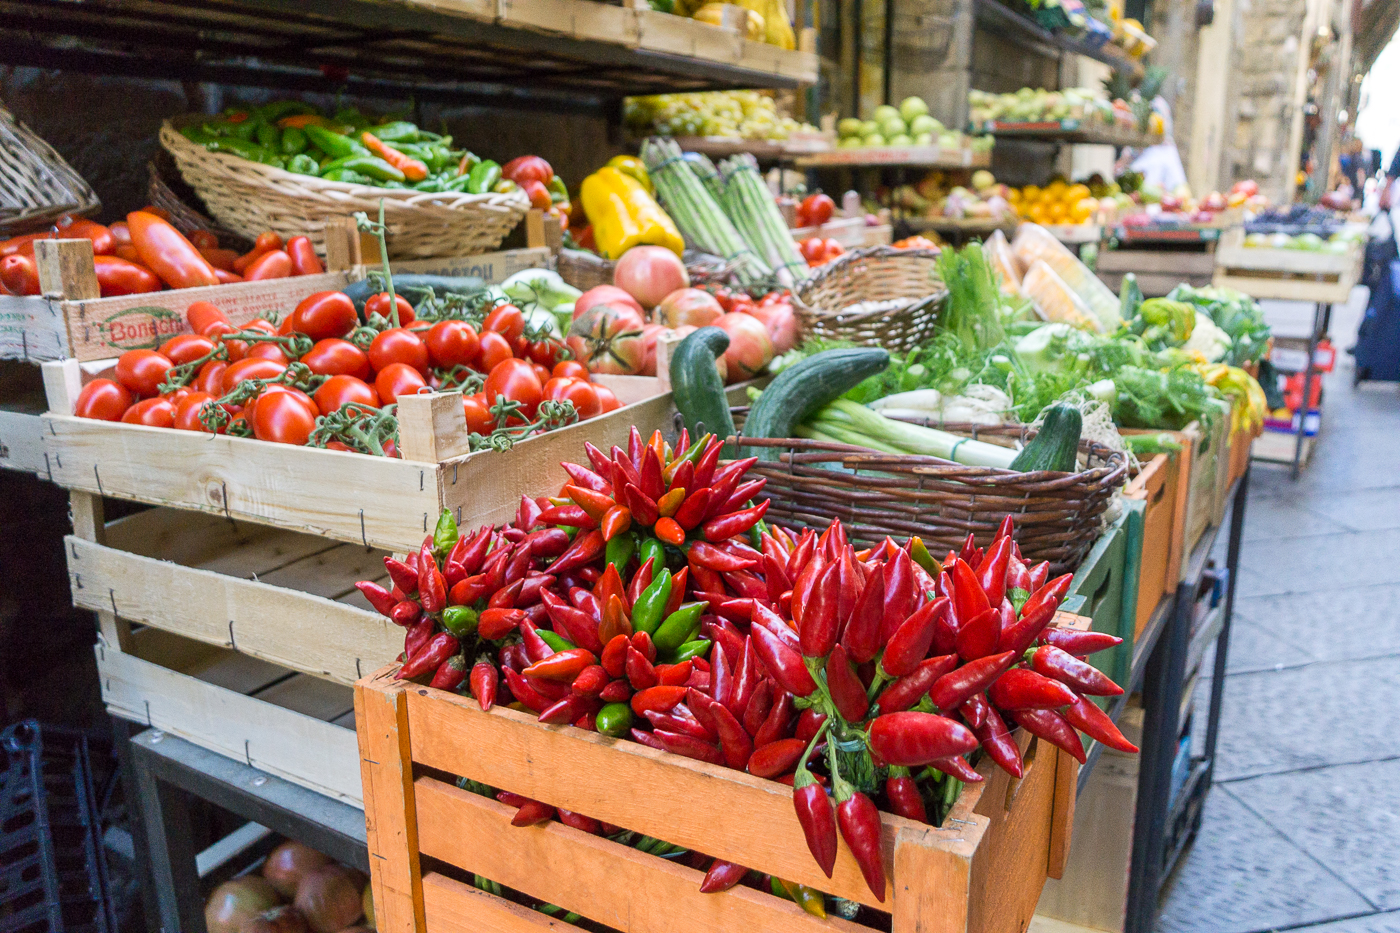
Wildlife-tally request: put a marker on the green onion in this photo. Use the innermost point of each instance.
(848, 421)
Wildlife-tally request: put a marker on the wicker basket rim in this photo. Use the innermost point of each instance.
(859, 256)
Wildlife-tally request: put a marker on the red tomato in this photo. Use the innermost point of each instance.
(570, 368)
(505, 320)
(583, 396)
(262, 324)
(251, 369)
(517, 381)
(397, 379)
(607, 399)
(266, 351)
(104, 400)
(275, 264)
(325, 314)
(211, 377)
(142, 371)
(283, 418)
(155, 412)
(341, 389)
(542, 373)
(202, 314)
(453, 343)
(187, 411)
(379, 304)
(545, 352)
(335, 357)
(479, 420)
(185, 348)
(398, 346)
(494, 350)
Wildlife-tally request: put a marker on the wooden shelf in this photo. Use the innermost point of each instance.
(964, 227)
(1069, 132)
(770, 150)
(1021, 30)
(521, 54)
(930, 157)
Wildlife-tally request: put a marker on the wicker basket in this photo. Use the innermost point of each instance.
(880, 273)
(170, 194)
(877, 494)
(250, 198)
(36, 185)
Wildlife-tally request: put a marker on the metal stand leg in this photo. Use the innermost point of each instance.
(1222, 643)
(172, 852)
(121, 742)
(1322, 316)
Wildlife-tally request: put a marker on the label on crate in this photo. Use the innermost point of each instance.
(491, 268)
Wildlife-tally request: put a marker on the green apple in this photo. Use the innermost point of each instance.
(924, 123)
(850, 142)
(850, 127)
(923, 139)
(869, 126)
(883, 113)
(901, 140)
(912, 107)
(873, 139)
(894, 126)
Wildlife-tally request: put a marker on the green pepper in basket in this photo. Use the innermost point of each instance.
(483, 177)
(348, 176)
(400, 131)
(433, 184)
(620, 550)
(373, 166)
(293, 141)
(303, 164)
(352, 116)
(333, 144)
(278, 109)
(269, 136)
(231, 145)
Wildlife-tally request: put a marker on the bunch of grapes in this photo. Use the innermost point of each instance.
(742, 114)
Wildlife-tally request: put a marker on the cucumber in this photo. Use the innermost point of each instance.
(411, 286)
(695, 383)
(806, 387)
(1057, 444)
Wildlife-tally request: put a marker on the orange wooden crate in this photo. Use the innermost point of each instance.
(982, 871)
(1156, 484)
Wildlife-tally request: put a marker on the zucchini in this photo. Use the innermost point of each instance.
(695, 382)
(412, 286)
(806, 387)
(1056, 446)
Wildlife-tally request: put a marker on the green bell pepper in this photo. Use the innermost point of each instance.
(333, 144)
(483, 177)
(646, 613)
(303, 164)
(373, 166)
(293, 141)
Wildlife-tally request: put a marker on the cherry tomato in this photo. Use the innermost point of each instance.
(340, 445)
(325, 314)
(104, 400)
(379, 304)
(571, 369)
(117, 276)
(420, 328)
(517, 381)
(262, 324)
(142, 371)
(251, 369)
(177, 396)
(187, 411)
(453, 343)
(283, 418)
(399, 345)
(607, 399)
(545, 352)
(505, 320)
(479, 420)
(304, 258)
(584, 396)
(266, 351)
(211, 377)
(184, 348)
(398, 379)
(494, 350)
(155, 412)
(340, 389)
(334, 357)
(285, 328)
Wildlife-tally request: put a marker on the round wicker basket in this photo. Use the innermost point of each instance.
(1058, 515)
(164, 190)
(250, 198)
(879, 273)
(36, 185)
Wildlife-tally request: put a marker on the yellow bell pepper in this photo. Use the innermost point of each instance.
(631, 165)
(1248, 406)
(623, 215)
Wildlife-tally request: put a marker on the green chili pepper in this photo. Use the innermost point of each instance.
(445, 534)
(352, 116)
(558, 191)
(923, 558)
(197, 134)
(654, 551)
(439, 158)
(505, 186)
(282, 108)
(483, 177)
(459, 620)
(691, 649)
(777, 888)
(554, 640)
(432, 184)
(303, 164)
(247, 129)
(400, 131)
(293, 141)
(348, 176)
(333, 144)
(239, 147)
(269, 136)
(614, 719)
(458, 183)
(646, 613)
(620, 550)
(373, 166)
(473, 160)
(274, 160)
(678, 627)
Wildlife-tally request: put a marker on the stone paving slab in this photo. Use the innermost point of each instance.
(1340, 624)
(1325, 562)
(1388, 922)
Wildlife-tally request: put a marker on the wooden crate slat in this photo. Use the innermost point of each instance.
(293, 629)
(331, 573)
(32, 328)
(577, 771)
(475, 833)
(594, 22)
(1288, 289)
(449, 906)
(291, 745)
(391, 832)
(22, 442)
(310, 696)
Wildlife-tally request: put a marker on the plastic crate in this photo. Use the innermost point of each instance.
(53, 873)
(1105, 589)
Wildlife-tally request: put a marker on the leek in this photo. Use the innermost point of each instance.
(841, 434)
(857, 421)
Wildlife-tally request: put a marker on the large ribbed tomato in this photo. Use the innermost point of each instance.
(607, 338)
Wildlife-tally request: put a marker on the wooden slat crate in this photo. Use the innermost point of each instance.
(1285, 274)
(1156, 486)
(1104, 588)
(1158, 271)
(982, 871)
(21, 431)
(1197, 475)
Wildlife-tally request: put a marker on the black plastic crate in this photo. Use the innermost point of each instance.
(53, 872)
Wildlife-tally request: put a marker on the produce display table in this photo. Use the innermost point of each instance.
(170, 772)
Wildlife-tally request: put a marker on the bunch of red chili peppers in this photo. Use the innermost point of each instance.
(649, 600)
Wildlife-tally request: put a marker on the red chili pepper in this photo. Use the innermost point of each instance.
(722, 876)
(586, 478)
(725, 481)
(640, 672)
(660, 699)
(969, 600)
(904, 797)
(484, 681)
(999, 745)
(580, 822)
(958, 767)
(1052, 727)
(899, 595)
(911, 641)
(1081, 676)
(532, 812)
(1018, 581)
(758, 707)
(585, 548)
(743, 494)
(614, 656)
(649, 472)
(991, 574)
(705, 464)
(381, 599)
(801, 554)
(505, 597)
(775, 624)
(817, 817)
(1019, 689)
(561, 666)
(955, 687)
(860, 827)
(916, 739)
(708, 556)
(584, 601)
(520, 562)
(496, 623)
(1079, 644)
(779, 722)
(619, 691)
(734, 523)
(450, 673)
(820, 624)
(978, 635)
(683, 476)
(404, 576)
(430, 656)
(847, 692)
(569, 514)
(784, 665)
(406, 613)
(862, 633)
(432, 588)
(809, 724)
(547, 542)
(693, 508)
(674, 674)
(775, 758)
(609, 584)
(1022, 633)
(803, 584)
(974, 711)
(907, 690)
(1039, 573)
(593, 501)
(1095, 723)
(1052, 594)
(971, 554)
(527, 513)
(734, 741)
